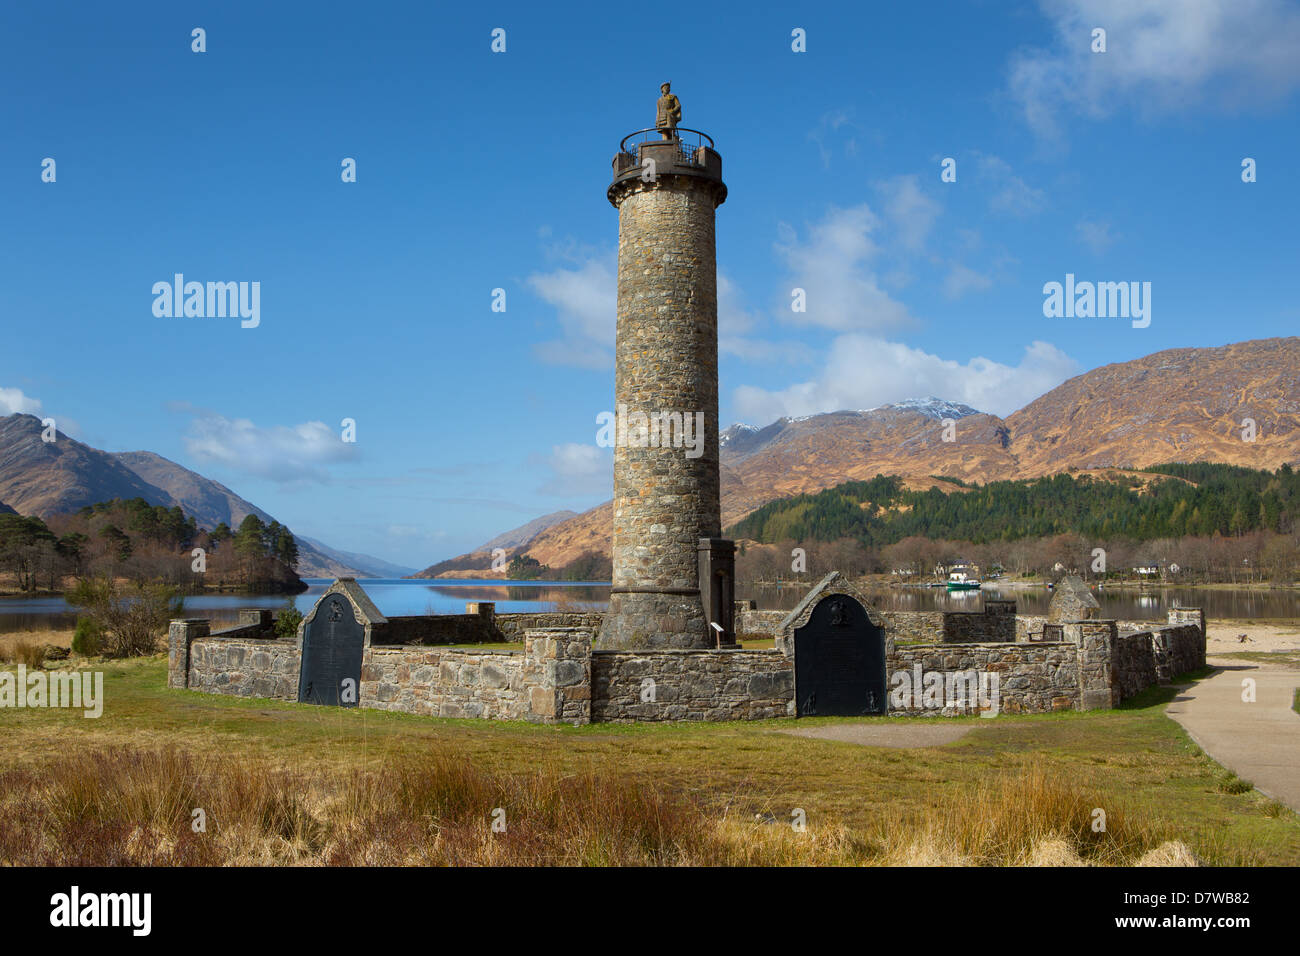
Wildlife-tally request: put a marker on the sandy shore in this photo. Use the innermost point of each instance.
(1225, 637)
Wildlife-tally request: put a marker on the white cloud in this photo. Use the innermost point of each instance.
(586, 300)
(835, 127)
(578, 469)
(1095, 235)
(278, 452)
(1161, 56)
(734, 322)
(834, 267)
(14, 402)
(909, 210)
(1008, 193)
(863, 371)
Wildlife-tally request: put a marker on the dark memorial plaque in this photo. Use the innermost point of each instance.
(839, 661)
(331, 654)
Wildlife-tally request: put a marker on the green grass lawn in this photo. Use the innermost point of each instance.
(1134, 758)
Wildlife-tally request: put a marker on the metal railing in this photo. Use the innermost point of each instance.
(688, 143)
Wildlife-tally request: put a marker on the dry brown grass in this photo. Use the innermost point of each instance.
(136, 807)
(29, 653)
(1027, 818)
(9, 643)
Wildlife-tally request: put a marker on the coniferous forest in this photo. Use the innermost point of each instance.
(1175, 501)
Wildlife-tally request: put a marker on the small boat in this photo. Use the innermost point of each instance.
(960, 581)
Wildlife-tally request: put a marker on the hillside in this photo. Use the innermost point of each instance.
(60, 477)
(212, 503)
(367, 564)
(1173, 501)
(1176, 405)
(478, 563)
(1180, 405)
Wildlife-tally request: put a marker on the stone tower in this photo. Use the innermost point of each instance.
(672, 582)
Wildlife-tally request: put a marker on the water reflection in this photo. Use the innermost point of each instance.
(394, 597)
(398, 597)
(1124, 604)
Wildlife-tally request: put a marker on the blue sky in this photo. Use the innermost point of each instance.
(479, 170)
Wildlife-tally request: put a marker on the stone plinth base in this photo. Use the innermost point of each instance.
(644, 619)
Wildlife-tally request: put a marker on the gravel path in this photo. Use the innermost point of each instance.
(934, 733)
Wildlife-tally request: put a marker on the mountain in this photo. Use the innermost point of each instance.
(1179, 405)
(479, 560)
(45, 478)
(366, 564)
(210, 502)
(526, 532)
(59, 477)
(6, 510)
(797, 455)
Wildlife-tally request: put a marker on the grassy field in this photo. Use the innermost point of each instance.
(288, 783)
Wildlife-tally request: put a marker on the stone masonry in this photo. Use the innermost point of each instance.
(1072, 601)
(559, 676)
(666, 365)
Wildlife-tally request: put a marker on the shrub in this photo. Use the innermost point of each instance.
(88, 640)
(28, 653)
(132, 621)
(1235, 785)
(287, 621)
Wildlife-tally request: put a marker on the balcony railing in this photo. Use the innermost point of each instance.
(688, 142)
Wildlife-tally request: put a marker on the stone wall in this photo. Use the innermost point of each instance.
(691, 685)
(1133, 664)
(757, 625)
(244, 665)
(557, 672)
(513, 627)
(558, 677)
(1179, 648)
(550, 680)
(998, 622)
(435, 629)
(481, 627)
(914, 627)
(1095, 640)
(1032, 679)
(444, 683)
(1029, 627)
